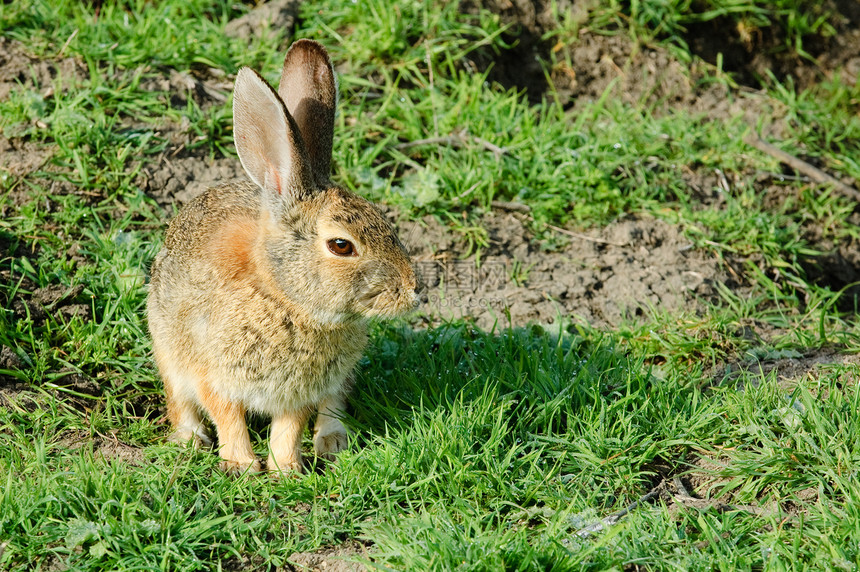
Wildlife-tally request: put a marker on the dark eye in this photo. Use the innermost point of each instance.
(341, 247)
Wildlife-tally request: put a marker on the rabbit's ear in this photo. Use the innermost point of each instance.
(309, 91)
(267, 139)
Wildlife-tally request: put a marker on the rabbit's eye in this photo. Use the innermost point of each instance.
(341, 247)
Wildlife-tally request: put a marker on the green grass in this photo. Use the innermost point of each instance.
(486, 462)
(471, 450)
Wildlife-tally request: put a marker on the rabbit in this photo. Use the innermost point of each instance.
(260, 297)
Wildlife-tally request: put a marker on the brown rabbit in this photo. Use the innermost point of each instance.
(260, 297)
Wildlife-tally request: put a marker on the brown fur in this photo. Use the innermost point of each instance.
(286, 434)
(229, 418)
(309, 92)
(248, 309)
(233, 248)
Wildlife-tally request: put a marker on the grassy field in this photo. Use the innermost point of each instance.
(729, 429)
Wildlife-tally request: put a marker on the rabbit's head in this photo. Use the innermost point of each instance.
(331, 252)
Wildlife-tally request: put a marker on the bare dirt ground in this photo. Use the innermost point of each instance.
(601, 277)
(333, 559)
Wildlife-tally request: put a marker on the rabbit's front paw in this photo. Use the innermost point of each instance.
(236, 468)
(329, 439)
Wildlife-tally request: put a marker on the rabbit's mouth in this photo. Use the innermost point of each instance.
(384, 303)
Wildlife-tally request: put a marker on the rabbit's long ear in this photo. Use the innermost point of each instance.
(309, 91)
(267, 139)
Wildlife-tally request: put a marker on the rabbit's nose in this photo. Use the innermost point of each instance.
(418, 293)
(409, 290)
(410, 283)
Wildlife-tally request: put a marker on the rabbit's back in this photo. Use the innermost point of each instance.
(204, 217)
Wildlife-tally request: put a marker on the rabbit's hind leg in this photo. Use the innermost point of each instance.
(182, 408)
(233, 439)
(187, 423)
(330, 435)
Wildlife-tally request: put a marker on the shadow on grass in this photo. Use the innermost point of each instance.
(521, 403)
(406, 370)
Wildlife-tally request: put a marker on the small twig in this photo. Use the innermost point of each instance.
(429, 61)
(68, 41)
(802, 166)
(447, 140)
(467, 192)
(511, 206)
(681, 488)
(608, 521)
(724, 182)
(783, 176)
(457, 139)
(495, 149)
(684, 498)
(586, 237)
(174, 153)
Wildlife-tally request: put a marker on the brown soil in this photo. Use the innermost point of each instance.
(838, 267)
(21, 68)
(619, 273)
(21, 157)
(793, 368)
(272, 15)
(332, 559)
(604, 277)
(752, 54)
(107, 448)
(645, 73)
